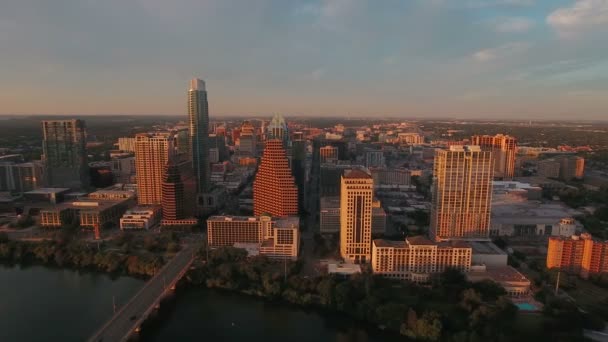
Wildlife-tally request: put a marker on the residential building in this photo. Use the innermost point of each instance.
(503, 148)
(549, 168)
(198, 114)
(126, 144)
(578, 254)
(64, 153)
(417, 258)
(274, 190)
(123, 168)
(152, 153)
(571, 167)
(461, 193)
(173, 193)
(356, 196)
(410, 138)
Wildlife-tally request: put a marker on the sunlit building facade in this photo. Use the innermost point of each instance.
(578, 254)
(417, 258)
(152, 153)
(462, 193)
(356, 197)
(503, 148)
(274, 189)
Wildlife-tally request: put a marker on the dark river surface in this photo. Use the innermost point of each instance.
(46, 304)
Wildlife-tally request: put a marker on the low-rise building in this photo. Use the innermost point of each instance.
(487, 253)
(143, 217)
(276, 237)
(515, 284)
(532, 219)
(417, 258)
(56, 216)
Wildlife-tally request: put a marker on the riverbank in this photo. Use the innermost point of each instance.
(199, 314)
(123, 255)
(449, 309)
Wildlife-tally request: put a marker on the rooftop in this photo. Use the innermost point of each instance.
(47, 191)
(499, 274)
(510, 211)
(356, 173)
(485, 248)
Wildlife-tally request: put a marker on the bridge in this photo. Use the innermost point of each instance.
(129, 318)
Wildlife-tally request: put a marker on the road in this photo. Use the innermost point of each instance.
(132, 314)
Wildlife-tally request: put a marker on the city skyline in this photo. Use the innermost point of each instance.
(520, 59)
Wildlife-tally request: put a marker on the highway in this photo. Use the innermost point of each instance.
(131, 315)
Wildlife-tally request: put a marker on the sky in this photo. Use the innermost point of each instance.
(492, 59)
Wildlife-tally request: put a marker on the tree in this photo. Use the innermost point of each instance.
(426, 328)
(3, 237)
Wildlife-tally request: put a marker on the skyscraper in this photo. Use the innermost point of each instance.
(198, 114)
(462, 193)
(173, 193)
(277, 129)
(64, 153)
(356, 198)
(274, 190)
(152, 153)
(503, 148)
(247, 140)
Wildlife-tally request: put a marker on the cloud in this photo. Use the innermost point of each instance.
(512, 24)
(583, 15)
(500, 52)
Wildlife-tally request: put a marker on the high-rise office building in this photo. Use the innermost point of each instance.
(152, 153)
(328, 154)
(462, 193)
(277, 129)
(248, 140)
(274, 189)
(173, 193)
(198, 114)
(356, 196)
(16, 176)
(64, 153)
(503, 148)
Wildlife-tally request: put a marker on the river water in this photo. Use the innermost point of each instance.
(46, 304)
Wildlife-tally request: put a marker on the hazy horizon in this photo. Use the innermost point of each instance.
(458, 59)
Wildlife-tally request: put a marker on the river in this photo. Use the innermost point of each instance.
(46, 304)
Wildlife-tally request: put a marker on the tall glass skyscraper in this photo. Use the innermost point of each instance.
(64, 153)
(198, 115)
